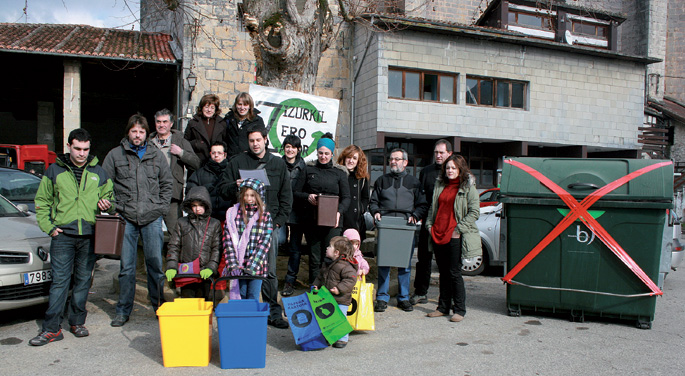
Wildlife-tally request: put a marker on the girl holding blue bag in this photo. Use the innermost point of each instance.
(246, 238)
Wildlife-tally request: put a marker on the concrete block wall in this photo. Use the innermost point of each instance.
(366, 101)
(460, 11)
(573, 99)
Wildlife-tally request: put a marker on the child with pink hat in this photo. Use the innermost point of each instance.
(353, 236)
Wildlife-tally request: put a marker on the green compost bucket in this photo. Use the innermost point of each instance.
(577, 273)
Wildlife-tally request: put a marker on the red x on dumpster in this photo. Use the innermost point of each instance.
(579, 211)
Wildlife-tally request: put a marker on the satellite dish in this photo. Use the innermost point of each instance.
(569, 37)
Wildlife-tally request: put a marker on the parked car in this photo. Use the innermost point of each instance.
(677, 251)
(19, 186)
(25, 271)
(489, 197)
(489, 228)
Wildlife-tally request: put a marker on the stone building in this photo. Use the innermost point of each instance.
(578, 75)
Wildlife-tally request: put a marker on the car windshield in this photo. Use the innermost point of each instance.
(18, 185)
(8, 210)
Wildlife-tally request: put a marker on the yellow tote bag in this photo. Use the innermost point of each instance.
(360, 313)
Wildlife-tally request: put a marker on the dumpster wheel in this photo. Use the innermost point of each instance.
(514, 312)
(640, 324)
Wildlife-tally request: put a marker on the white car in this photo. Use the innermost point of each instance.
(489, 227)
(25, 271)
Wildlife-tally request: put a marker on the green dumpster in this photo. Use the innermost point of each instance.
(561, 265)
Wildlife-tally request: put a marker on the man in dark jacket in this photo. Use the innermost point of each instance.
(73, 190)
(142, 186)
(442, 150)
(179, 155)
(397, 194)
(279, 198)
(209, 176)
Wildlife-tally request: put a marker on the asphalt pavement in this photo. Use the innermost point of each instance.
(486, 342)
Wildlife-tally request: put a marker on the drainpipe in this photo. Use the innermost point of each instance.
(354, 81)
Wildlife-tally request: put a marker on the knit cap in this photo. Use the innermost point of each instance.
(255, 185)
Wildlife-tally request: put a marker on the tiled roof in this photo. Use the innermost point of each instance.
(87, 41)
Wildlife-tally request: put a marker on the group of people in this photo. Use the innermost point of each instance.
(234, 224)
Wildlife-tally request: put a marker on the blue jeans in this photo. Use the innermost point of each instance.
(69, 254)
(250, 288)
(403, 281)
(344, 309)
(153, 239)
(295, 254)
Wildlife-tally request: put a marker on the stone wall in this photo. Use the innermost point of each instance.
(675, 51)
(573, 99)
(219, 52)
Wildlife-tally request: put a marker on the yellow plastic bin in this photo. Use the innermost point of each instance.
(185, 328)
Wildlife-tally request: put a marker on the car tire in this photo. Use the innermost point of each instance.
(476, 266)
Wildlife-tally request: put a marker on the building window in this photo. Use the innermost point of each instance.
(422, 85)
(534, 21)
(486, 91)
(590, 29)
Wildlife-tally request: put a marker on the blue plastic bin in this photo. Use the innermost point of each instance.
(242, 333)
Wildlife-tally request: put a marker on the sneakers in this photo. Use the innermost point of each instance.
(436, 313)
(288, 289)
(380, 306)
(456, 317)
(46, 337)
(418, 299)
(405, 306)
(279, 323)
(79, 331)
(119, 320)
(340, 344)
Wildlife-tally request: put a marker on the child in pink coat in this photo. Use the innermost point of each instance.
(353, 236)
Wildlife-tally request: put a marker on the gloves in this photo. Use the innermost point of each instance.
(206, 273)
(170, 274)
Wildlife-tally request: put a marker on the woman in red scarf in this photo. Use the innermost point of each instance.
(452, 224)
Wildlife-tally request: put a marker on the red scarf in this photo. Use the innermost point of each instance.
(445, 221)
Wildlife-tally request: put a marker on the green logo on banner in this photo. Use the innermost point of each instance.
(594, 213)
(303, 109)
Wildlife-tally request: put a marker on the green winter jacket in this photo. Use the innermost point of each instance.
(466, 211)
(63, 202)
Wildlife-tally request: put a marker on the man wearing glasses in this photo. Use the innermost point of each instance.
(397, 194)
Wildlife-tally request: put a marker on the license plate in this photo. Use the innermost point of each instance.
(40, 276)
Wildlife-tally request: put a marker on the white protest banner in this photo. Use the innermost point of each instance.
(288, 112)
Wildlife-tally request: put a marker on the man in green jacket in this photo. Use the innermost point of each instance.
(72, 191)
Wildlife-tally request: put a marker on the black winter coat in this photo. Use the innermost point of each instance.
(208, 176)
(196, 133)
(279, 194)
(398, 195)
(328, 179)
(295, 169)
(428, 176)
(236, 137)
(359, 203)
(186, 240)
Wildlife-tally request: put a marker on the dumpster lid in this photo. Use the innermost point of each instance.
(580, 177)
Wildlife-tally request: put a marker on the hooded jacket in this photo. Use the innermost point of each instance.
(466, 211)
(142, 186)
(178, 164)
(208, 177)
(186, 240)
(340, 273)
(236, 137)
(317, 178)
(63, 202)
(196, 134)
